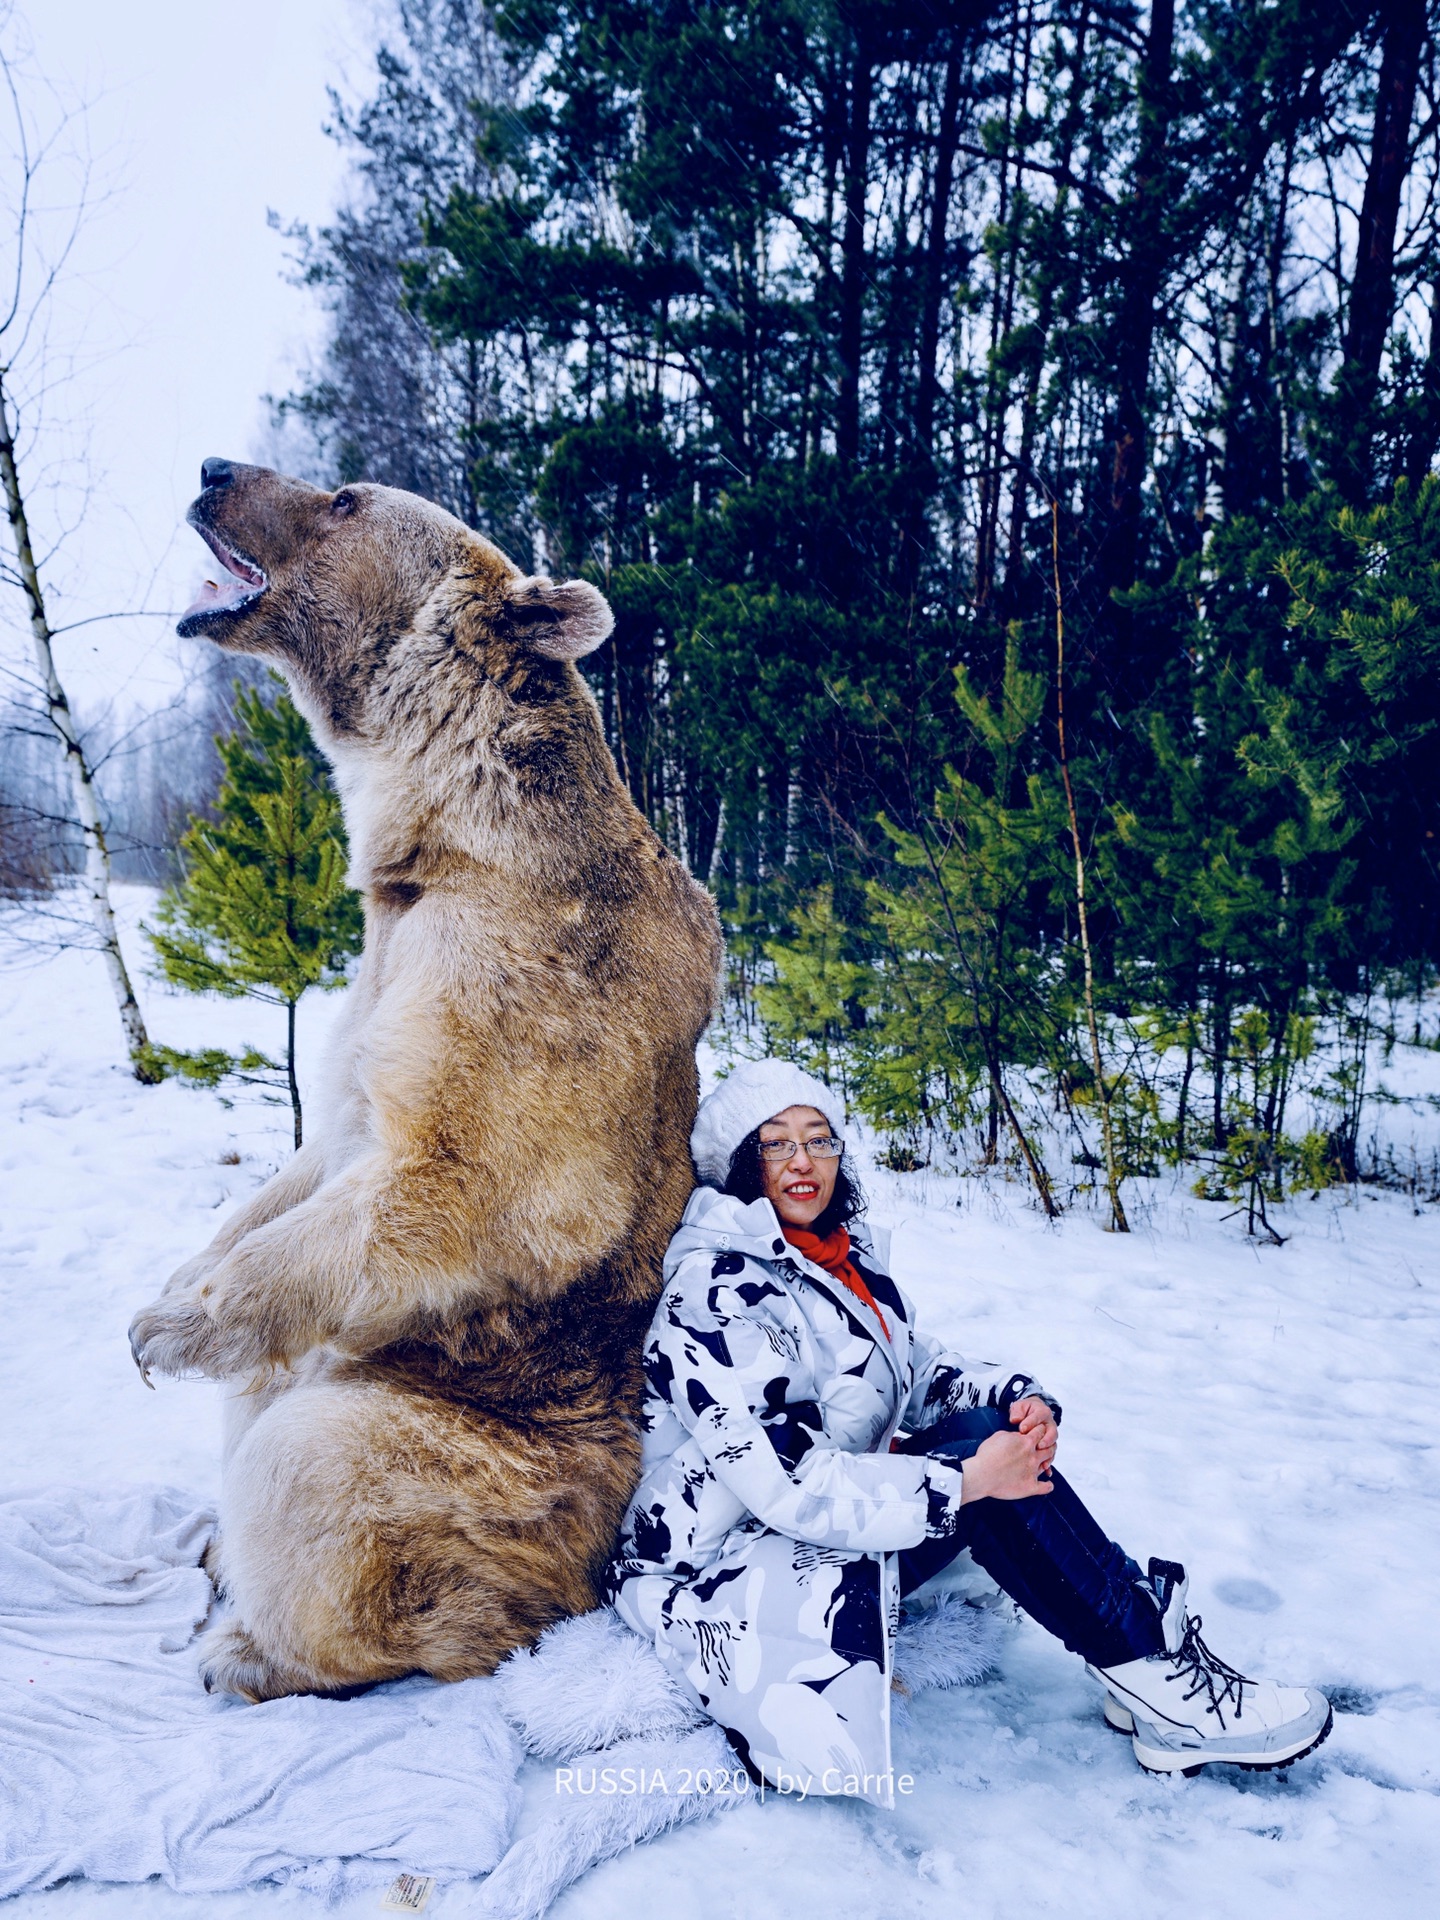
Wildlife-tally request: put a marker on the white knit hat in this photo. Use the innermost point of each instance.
(745, 1099)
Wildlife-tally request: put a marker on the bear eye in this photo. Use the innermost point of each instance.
(343, 503)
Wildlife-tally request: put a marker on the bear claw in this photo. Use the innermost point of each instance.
(168, 1338)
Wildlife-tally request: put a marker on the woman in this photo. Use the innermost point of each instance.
(779, 1519)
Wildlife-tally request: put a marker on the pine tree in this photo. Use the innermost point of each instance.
(263, 911)
(959, 988)
(816, 1000)
(977, 865)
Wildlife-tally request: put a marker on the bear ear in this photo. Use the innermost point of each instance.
(561, 622)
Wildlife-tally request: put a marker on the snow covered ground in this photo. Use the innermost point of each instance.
(1267, 1415)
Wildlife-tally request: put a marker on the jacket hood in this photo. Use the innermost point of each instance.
(716, 1222)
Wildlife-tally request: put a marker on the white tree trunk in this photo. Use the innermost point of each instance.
(794, 799)
(1217, 434)
(87, 800)
(717, 852)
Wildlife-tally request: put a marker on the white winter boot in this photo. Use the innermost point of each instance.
(1186, 1709)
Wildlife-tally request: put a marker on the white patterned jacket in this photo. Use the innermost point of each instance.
(759, 1550)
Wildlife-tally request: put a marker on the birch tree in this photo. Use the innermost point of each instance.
(35, 270)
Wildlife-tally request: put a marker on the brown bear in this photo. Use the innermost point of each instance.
(432, 1316)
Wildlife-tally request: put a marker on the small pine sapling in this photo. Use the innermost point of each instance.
(953, 932)
(263, 911)
(813, 1005)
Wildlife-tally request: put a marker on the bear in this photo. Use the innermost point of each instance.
(431, 1319)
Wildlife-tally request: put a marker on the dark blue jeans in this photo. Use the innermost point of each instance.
(1046, 1552)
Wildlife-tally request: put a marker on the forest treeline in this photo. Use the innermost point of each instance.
(1005, 435)
(901, 371)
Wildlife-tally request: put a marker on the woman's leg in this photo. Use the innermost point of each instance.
(1048, 1553)
(1050, 1556)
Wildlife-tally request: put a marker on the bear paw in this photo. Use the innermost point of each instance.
(232, 1662)
(176, 1336)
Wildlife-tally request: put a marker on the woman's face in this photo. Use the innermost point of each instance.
(799, 1188)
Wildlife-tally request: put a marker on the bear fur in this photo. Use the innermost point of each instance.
(432, 1317)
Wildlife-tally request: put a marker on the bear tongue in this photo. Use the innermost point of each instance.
(229, 584)
(230, 590)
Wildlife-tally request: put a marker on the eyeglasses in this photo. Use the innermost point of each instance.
(826, 1147)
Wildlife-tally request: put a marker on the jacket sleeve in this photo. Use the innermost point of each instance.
(714, 1359)
(943, 1383)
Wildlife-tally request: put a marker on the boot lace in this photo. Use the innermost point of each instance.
(1207, 1674)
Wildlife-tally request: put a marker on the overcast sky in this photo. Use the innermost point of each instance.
(203, 117)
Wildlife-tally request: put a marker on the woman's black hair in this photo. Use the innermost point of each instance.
(746, 1181)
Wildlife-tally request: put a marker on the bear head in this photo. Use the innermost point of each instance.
(333, 586)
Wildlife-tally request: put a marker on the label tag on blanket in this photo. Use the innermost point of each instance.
(408, 1892)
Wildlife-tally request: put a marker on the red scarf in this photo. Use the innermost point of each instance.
(833, 1254)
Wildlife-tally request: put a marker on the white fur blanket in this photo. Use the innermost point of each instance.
(115, 1765)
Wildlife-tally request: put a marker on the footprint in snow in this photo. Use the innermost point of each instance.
(1249, 1596)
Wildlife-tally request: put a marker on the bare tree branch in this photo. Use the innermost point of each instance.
(25, 311)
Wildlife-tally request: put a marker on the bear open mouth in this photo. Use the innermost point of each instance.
(239, 584)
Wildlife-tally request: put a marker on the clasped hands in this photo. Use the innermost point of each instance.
(1009, 1466)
